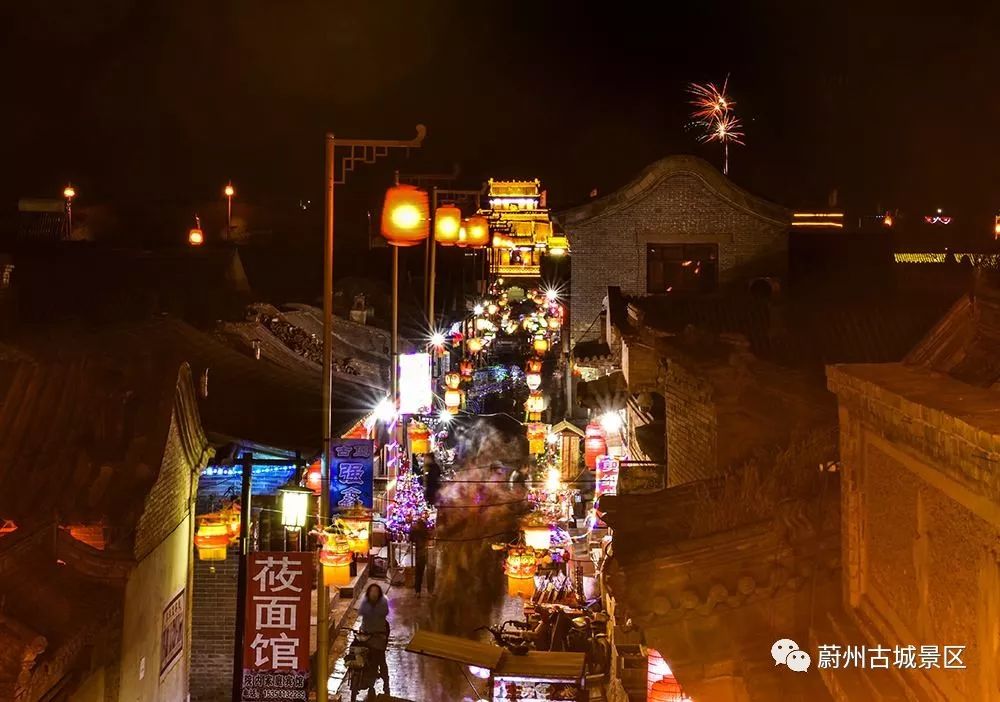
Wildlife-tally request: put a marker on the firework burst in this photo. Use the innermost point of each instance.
(710, 102)
(713, 113)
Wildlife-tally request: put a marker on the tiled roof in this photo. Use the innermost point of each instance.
(966, 342)
(83, 440)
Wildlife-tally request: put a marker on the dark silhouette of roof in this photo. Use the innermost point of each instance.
(246, 399)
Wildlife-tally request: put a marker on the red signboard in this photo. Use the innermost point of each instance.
(276, 642)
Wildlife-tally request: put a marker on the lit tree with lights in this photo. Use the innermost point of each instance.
(408, 505)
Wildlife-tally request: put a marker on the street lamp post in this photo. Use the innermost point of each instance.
(69, 192)
(229, 191)
(360, 151)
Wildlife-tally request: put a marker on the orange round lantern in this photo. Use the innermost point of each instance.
(335, 555)
(196, 237)
(463, 237)
(521, 567)
(420, 437)
(465, 368)
(477, 229)
(534, 365)
(212, 538)
(475, 344)
(594, 445)
(447, 222)
(541, 345)
(405, 215)
(554, 323)
(452, 380)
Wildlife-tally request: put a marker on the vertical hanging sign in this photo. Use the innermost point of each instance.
(276, 639)
(415, 384)
(351, 474)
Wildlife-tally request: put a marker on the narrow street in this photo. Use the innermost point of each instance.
(419, 678)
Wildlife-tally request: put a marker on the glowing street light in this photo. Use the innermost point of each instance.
(229, 191)
(196, 237)
(69, 192)
(294, 506)
(385, 411)
(611, 421)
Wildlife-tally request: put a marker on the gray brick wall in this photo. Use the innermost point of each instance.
(610, 249)
(213, 628)
(692, 427)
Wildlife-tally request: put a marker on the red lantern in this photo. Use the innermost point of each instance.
(447, 222)
(594, 445)
(405, 215)
(666, 690)
(534, 365)
(477, 230)
(314, 477)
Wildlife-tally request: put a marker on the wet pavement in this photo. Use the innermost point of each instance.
(419, 678)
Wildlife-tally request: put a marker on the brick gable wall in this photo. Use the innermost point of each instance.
(611, 249)
(692, 427)
(169, 499)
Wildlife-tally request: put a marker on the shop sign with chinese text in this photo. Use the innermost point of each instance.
(276, 638)
(533, 690)
(351, 474)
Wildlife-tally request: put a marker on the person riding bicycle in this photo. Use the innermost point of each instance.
(374, 613)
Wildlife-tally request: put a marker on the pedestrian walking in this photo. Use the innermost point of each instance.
(432, 478)
(374, 613)
(419, 537)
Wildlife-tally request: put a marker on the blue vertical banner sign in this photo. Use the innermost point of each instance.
(351, 474)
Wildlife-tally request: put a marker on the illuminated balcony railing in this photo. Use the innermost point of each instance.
(512, 270)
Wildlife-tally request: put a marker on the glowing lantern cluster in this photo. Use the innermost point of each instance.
(452, 395)
(533, 373)
(554, 323)
(420, 437)
(537, 536)
(474, 344)
(537, 434)
(335, 555)
(447, 222)
(405, 215)
(465, 369)
(521, 566)
(535, 404)
(356, 525)
(594, 445)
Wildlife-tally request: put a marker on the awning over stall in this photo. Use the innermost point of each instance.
(455, 648)
(542, 664)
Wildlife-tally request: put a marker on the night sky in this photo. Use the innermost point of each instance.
(154, 104)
